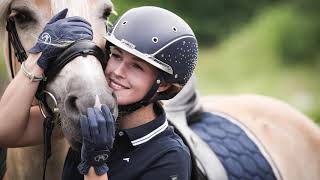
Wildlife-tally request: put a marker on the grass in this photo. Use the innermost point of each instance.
(249, 62)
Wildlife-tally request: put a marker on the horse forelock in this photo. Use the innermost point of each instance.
(74, 7)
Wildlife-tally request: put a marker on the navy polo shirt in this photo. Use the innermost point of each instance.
(150, 151)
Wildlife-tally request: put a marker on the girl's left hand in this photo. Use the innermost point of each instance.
(98, 134)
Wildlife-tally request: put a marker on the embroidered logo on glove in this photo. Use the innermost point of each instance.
(46, 38)
(101, 157)
(97, 158)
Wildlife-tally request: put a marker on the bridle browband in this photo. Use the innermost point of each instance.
(78, 48)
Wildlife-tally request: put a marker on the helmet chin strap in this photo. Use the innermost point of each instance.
(146, 100)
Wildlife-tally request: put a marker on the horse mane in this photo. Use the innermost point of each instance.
(79, 5)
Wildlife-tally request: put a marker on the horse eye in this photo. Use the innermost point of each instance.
(22, 18)
(106, 13)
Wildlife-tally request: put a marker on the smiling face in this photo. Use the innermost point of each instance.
(129, 77)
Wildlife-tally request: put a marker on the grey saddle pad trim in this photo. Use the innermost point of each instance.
(206, 159)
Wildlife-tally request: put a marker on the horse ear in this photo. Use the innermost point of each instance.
(61, 15)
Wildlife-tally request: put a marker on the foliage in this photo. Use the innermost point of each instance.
(249, 61)
(215, 20)
(212, 20)
(299, 42)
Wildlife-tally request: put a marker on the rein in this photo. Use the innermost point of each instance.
(51, 115)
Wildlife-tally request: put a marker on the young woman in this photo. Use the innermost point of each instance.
(153, 54)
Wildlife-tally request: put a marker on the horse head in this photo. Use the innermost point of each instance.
(81, 82)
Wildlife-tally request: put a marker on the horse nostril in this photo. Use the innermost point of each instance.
(72, 102)
(77, 104)
(71, 106)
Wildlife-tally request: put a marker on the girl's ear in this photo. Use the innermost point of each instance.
(163, 87)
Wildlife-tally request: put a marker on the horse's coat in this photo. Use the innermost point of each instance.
(288, 138)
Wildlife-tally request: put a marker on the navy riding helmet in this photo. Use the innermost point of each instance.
(160, 38)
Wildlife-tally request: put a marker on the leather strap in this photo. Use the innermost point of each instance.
(79, 48)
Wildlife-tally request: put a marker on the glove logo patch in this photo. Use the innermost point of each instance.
(101, 157)
(46, 38)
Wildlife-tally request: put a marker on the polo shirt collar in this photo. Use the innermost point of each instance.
(144, 133)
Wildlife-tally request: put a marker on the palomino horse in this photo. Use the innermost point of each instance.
(289, 140)
(30, 16)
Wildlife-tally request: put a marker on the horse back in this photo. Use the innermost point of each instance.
(291, 139)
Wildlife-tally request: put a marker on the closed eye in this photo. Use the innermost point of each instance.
(115, 55)
(138, 66)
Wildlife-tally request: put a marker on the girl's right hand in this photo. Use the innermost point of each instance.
(58, 34)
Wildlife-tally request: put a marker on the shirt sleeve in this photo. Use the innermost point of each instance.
(175, 164)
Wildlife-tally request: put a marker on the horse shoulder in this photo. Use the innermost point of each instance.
(283, 131)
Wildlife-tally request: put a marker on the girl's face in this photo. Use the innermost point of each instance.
(129, 77)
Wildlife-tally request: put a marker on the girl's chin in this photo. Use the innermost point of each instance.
(123, 102)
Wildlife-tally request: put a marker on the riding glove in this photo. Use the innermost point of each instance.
(98, 134)
(58, 34)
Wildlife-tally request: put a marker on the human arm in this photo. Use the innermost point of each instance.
(17, 119)
(98, 134)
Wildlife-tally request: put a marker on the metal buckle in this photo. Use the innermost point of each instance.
(55, 110)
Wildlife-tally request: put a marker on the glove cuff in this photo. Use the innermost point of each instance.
(101, 170)
(84, 167)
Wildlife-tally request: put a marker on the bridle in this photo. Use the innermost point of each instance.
(51, 114)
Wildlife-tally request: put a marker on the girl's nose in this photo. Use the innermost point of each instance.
(120, 70)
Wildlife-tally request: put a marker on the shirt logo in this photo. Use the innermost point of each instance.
(126, 159)
(174, 177)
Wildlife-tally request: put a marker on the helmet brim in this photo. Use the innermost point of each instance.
(146, 57)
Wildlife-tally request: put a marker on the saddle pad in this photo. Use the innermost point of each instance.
(239, 155)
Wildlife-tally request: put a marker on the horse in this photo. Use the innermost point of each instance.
(288, 140)
(30, 16)
(280, 132)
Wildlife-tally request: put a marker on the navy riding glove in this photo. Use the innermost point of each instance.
(98, 134)
(58, 34)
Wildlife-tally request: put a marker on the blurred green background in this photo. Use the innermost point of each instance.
(268, 47)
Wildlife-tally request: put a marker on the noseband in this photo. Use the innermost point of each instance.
(78, 48)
